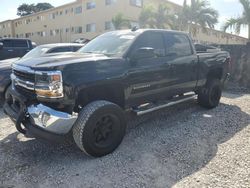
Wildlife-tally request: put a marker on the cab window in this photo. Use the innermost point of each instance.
(151, 40)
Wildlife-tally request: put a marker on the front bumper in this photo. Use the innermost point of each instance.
(39, 120)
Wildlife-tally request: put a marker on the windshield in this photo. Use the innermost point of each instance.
(112, 43)
(36, 52)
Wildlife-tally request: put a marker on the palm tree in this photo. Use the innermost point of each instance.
(119, 21)
(243, 20)
(160, 18)
(198, 13)
(146, 18)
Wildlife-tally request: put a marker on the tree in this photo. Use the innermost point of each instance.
(43, 6)
(119, 21)
(198, 13)
(160, 18)
(243, 20)
(26, 9)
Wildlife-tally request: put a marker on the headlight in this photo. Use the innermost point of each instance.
(49, 84)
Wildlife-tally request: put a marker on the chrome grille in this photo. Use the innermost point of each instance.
(24, 75)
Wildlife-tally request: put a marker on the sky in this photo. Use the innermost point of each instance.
(226, 8)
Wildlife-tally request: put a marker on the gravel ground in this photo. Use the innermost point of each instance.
(182, 146)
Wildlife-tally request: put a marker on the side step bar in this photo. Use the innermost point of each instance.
(140, 112)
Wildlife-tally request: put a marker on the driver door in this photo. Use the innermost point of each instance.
(147, 77)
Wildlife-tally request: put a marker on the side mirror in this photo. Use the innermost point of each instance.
(143, 53)
(1, 45)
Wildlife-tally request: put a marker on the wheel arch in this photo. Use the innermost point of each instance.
(215, 73)
(113, 93)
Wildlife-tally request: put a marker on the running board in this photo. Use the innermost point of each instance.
(140, 112)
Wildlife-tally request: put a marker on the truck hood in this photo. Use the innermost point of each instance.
(61, 59)
(6, 64)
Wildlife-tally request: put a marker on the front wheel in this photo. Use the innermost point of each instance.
(7, 92)
(100, 128)
(210, 95)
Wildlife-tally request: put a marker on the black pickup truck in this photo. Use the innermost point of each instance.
(88, 94)
(14, 47)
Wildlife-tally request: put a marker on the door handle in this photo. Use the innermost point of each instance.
(10, 50)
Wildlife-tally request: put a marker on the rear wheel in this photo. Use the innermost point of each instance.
(100, 128)
(210, 95)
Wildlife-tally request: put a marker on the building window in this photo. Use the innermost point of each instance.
(90, 27)
(91, 5)
(53, 16)
(52, 32)
(78, 10)
(137, 3)
(41, 33)
(78, 29)
(61, 13)
(27, 35)
(109, 25)
(110, 2)
(57, 31)
(27, 21)
(67, 30)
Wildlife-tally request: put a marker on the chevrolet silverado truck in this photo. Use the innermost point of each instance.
(88, 95)
(42, 50)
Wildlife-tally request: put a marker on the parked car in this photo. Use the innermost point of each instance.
(86, 95)
(47, 49)
(14, 47)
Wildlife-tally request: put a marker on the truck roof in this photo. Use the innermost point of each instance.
(15, 39)
(59, 45)
(143, 30)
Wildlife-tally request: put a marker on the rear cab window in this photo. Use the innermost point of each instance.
(8, 43)
(20, 44)
(177, 45)
(61, 49)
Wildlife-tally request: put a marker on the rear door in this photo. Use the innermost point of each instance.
(183, 61)
(20, 47)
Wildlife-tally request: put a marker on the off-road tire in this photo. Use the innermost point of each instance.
(91, 119)
(6, 93)
(210, 95)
